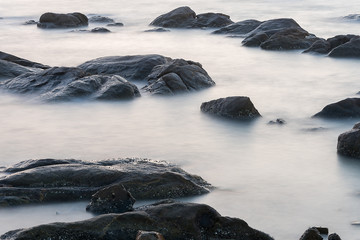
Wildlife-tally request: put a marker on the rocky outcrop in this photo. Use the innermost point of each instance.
(64, 84)
(279, 34)
(347, 108)
(59, 20)
(177, 76)
(173, 220)
(239, 28)
(349, 142)
(112, 199)
(10, 69)
(231, 107)
(55, 180)
(185, 17)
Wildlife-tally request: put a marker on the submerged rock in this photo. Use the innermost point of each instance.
(278, 121)
(100, 19)
(349, 142)
(231, 107)
(176, 221)
(355, 17)
(100, 30)
(185, 17)
(59, 20)
(117, 24)
(239, 28)
(77, 180)
(347, 108)
(30, 22)
(158, 30)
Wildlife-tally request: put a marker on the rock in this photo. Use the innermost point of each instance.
(350, 49)
(231, 107)
(30, 22)
(157, 30)
(185, 17)
(311, 234)
(118, 24)
(279, 121)
(320, 46)
(174, 221)
(355, 17)
(10, 70)
(349, 142)
(59, 20)
(279, 34)
(177, 76)
(334, 236)
(55, 180)
(347, 108)
(239, 28)
(100, 30)
(145, 235)
(322, 230)
(21, 61)
(11, 201)
(100, 19)
(112, 199)
(64, 84)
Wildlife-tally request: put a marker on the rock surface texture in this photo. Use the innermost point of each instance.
(349, 142)
(67, 180)
(231, 107)
(60, 20)
(173, 220)
(185, 17)
(311, 234)
(347, 108)
(239, 28)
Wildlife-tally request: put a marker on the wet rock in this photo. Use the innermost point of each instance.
(185, 17)
(174, 221)
(347, 108)
(112, 199)
(59, 20)
(77, 180)
(100, 30)
(158, 30)
(10, 70)
(145, 235)
(21, 61)
(178, 76)
(279, 121)
(355, 17)
(322, 230)
(239, 28)
(30, 22)
(64, 84)
(320, 46)
(117, 24)
(334, 236)
(11, 201)
(350, 49)
(311, 234)
(349, 142)
(231, 107)
(100, 19)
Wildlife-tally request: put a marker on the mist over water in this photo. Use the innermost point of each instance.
(279, 179)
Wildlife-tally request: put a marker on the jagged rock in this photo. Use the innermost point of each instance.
(117, 24)
(334, 236)
(59, 20)
(231, 107)
(145, 235)
(177, 76)
(311, 234)
(112, 199)
(100, 30)
(176, 221)
(10, 69)
(100, 19)
(185, 17)
(349, 142)
(239, 28)
(67, 180)
(21, 61)
(64, 84)
(347, 108)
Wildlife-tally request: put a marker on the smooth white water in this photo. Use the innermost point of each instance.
(279, 179)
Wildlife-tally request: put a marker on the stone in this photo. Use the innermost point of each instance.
(21, 61)
(172, 220)
(355, 17)
(320, 46)
(100, 30)
(10, 69)
(177, 76)
(100, 19)
(239, 28)
(334, 236)
(236, 107)
(112, 199)
(65, 84)
(350, 49)
(59, 20)
(279, 121)
(158, 30)
(117, 24)
(311, 234)
(11, 201)
(145, 235)
(347, 108)
(211, 20)
(30, 22)
(349, 142)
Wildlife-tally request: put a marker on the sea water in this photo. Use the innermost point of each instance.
(281, 179)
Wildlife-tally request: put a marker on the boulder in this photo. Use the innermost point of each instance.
(311, 234)
(64, 84)
(347, 108)
(100, 30)
(185, 17)
(349, 142)
(239, 28)
(320, 46)
(350, 49)
(100, 19)
(177, 76)
(112, 199)
(21, 61)
(231, 107)
(145, 235)
(59, 20)
(334, 236)
(76, 180)
(174, 220)
(10, 69)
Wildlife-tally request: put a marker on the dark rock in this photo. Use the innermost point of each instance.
(10, 201)
(158, 30)
(185, 17)
(118, 24)
(178, 76)
(10, 69)
(145, 235)
(112, 199)
(100, 19)
(59, 181)
(322, 230)
(349, 142)
(320, 46)
(176, 221)
(133, 68)
(239, 28)
(334, 236)
(339, 40)
(21, 61)
(64, 84)
(59, 20)
(279, 121)
(231, 107)
(100, 30)
(355, 17)
(350, 49)
(347, 108)
(30, 22)
(311, 234)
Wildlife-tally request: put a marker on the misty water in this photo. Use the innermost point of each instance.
(280, 179)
